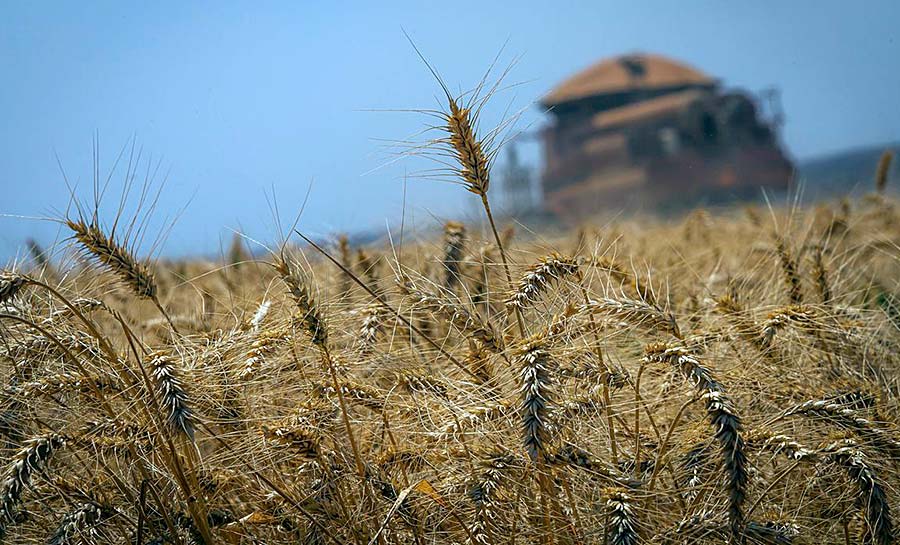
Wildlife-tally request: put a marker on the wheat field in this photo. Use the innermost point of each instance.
(726, 377)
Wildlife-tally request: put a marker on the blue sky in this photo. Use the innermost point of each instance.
(237, 100)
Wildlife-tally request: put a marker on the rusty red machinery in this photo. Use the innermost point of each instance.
(645, 131)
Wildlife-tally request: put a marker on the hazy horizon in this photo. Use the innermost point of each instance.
(236, 103)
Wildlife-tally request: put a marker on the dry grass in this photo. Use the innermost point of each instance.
(655, 388)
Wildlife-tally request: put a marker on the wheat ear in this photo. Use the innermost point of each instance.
(313, 322)
(871, 497)
(172, 396)
(474, 417)
(622, 524)
(722, 417)
(10, 285)
(298, 286)
(789, 270)
(639, 314)
(454, 245)
(535, 392)
(347, 260)
(780, 318)
(535, 362)
(847, 419)
(483, 494)
(883, 170)
(300, 439)
(261, 312)
(267, 342)
(437, 346)
(62, 382)
(820, 276)
(119, 259)
(539, 278)
(80, 521)
(29, 460)
(371, 327)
